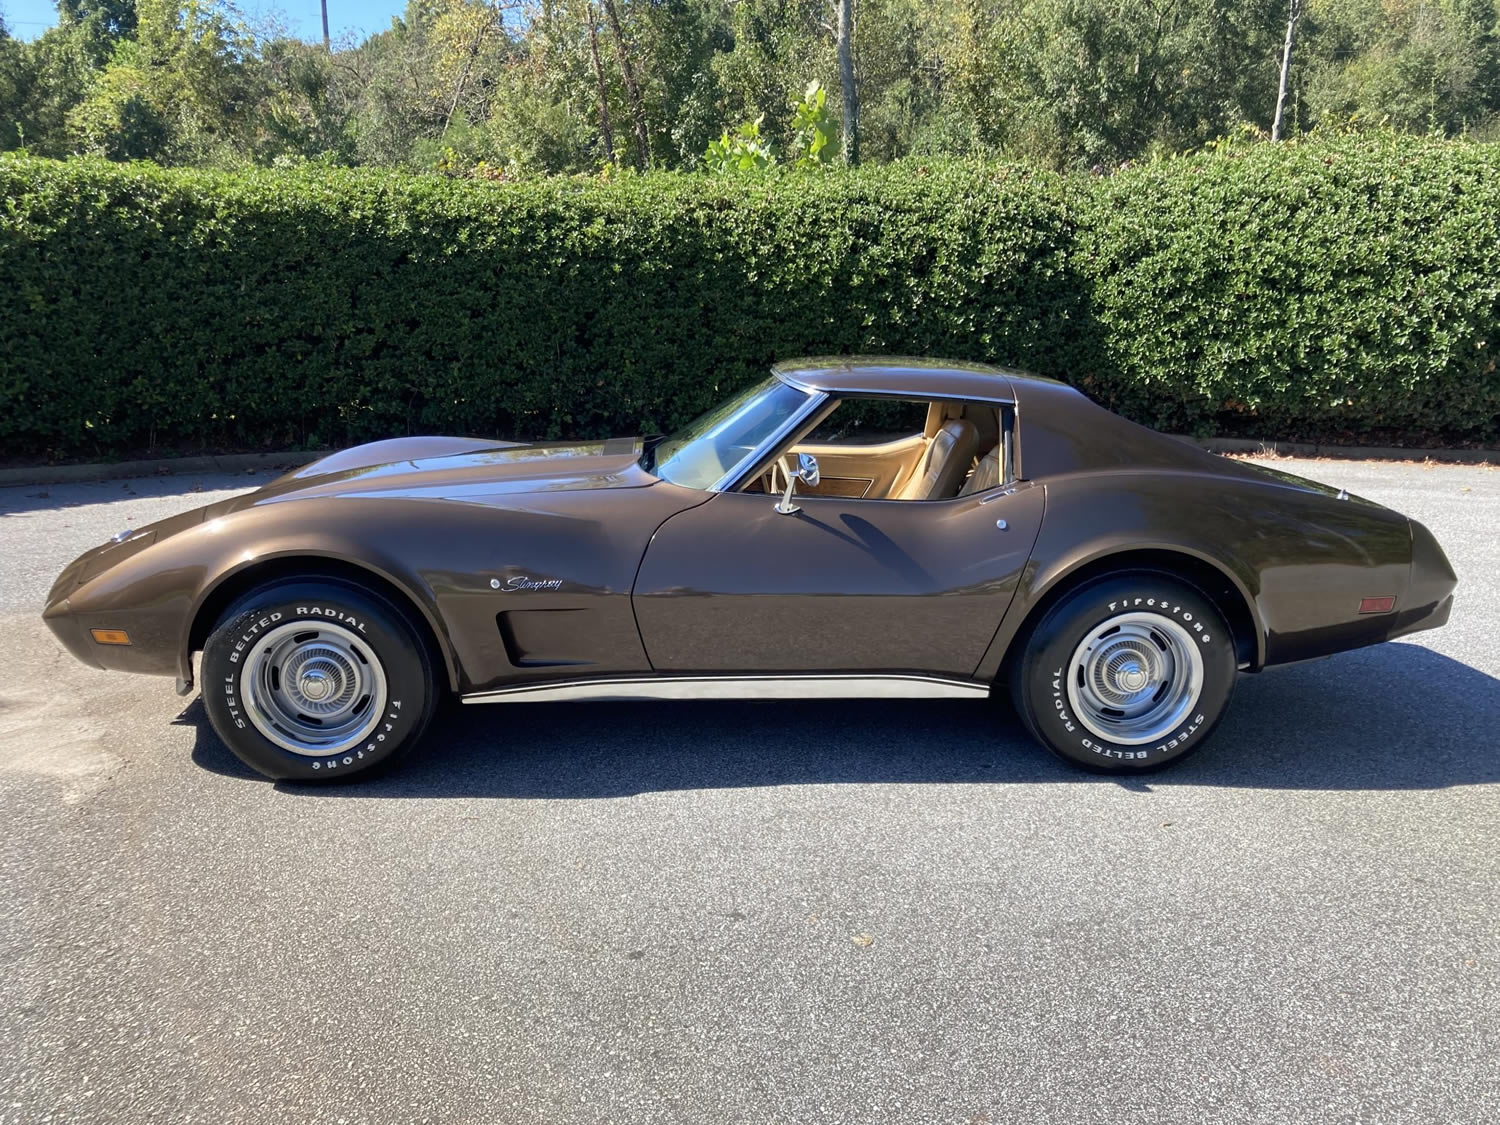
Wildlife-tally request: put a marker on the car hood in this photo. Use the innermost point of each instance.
(460, 469)
(431, 468)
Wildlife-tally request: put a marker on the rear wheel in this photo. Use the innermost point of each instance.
(317, 681)
(1126, 674)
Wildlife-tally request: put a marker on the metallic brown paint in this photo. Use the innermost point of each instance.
(660, 579)
(843, 585)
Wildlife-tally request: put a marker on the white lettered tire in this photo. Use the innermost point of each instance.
(317, 681)
(1126, 674)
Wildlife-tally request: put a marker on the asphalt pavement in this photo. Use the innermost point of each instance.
(761, 912)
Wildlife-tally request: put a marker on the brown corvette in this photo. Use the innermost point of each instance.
(845, 527)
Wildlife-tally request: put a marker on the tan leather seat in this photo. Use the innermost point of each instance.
(948, 457)
(986, 474)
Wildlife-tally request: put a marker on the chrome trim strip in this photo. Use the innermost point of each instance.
(743, 469)
(738, 687)
(789, 375)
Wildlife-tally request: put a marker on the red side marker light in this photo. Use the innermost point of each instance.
(1376, 605)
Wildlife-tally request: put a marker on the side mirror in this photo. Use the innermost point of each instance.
(807, 472)
(807, 469)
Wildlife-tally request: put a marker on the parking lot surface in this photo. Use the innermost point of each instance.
(768, 912)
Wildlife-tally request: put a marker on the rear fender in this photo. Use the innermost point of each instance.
(1301, 561)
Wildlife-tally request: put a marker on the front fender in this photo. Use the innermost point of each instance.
(156, 593)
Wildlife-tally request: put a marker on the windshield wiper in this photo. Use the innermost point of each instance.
(648, 452)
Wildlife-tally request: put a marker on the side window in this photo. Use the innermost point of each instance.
(897, 449)
(995, 464)
(869, 421)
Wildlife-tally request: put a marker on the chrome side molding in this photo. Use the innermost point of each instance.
(737, 687)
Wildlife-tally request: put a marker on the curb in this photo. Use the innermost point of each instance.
(1244, 446)
(165, 466)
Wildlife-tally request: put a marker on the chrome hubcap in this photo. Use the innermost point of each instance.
(314, 685)
(313, 688)
(1135, 678)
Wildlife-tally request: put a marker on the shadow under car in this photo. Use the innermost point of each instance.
(1395, 716)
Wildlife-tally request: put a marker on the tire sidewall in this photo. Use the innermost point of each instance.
(409, 678)
(1048, 664)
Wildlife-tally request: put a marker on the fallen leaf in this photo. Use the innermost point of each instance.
(864, 941)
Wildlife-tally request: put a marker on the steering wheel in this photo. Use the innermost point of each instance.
(777, 469)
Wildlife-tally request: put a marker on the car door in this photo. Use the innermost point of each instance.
(842, 585)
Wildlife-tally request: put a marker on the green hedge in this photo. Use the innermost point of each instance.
(1346, 289)
(1343, 288)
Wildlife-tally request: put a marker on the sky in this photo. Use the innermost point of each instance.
(347, 19)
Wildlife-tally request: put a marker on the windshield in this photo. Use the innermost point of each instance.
(705, 451)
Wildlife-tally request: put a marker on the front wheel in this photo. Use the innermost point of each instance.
(1126, 674)
(317, 681)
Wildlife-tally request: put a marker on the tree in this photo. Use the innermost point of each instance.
(40, 83)
(681, 90)
(607, 135)
(845, 38)
(530, 87)
(312, 100)
(1418, 65)
(1294, 13)
(1098, 82)
(460, 32)
(185, 88)
(632, 87)
(12, 80)
(772, 48)
(116, 19)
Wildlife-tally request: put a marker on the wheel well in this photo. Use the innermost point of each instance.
(307, 566)
(1206, 578)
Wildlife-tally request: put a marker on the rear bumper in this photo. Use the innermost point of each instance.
(1429, 590)
(1425, 617)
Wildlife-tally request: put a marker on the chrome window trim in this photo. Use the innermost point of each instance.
(790, 377)
(1008, 473)
(791, 686)
(733, 480)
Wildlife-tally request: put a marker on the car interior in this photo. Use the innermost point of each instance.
(901, 451)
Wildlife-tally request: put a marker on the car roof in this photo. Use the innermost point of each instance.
(904, 376)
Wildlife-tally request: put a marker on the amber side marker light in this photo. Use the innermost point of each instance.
(110, 636)
(1376, 605)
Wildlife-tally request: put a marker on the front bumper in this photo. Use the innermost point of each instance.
(84, 598)
(69, 630)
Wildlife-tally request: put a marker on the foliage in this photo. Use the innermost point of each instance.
(143, 306)
(1336, 287)
(1343, 287)
(812, 126)
(1066, 84)
(744, 151)
(1419, 65)
(175, 91)
(1098, 82)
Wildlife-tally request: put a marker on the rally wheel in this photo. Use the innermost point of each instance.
(1126, 674)
(317, 681)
